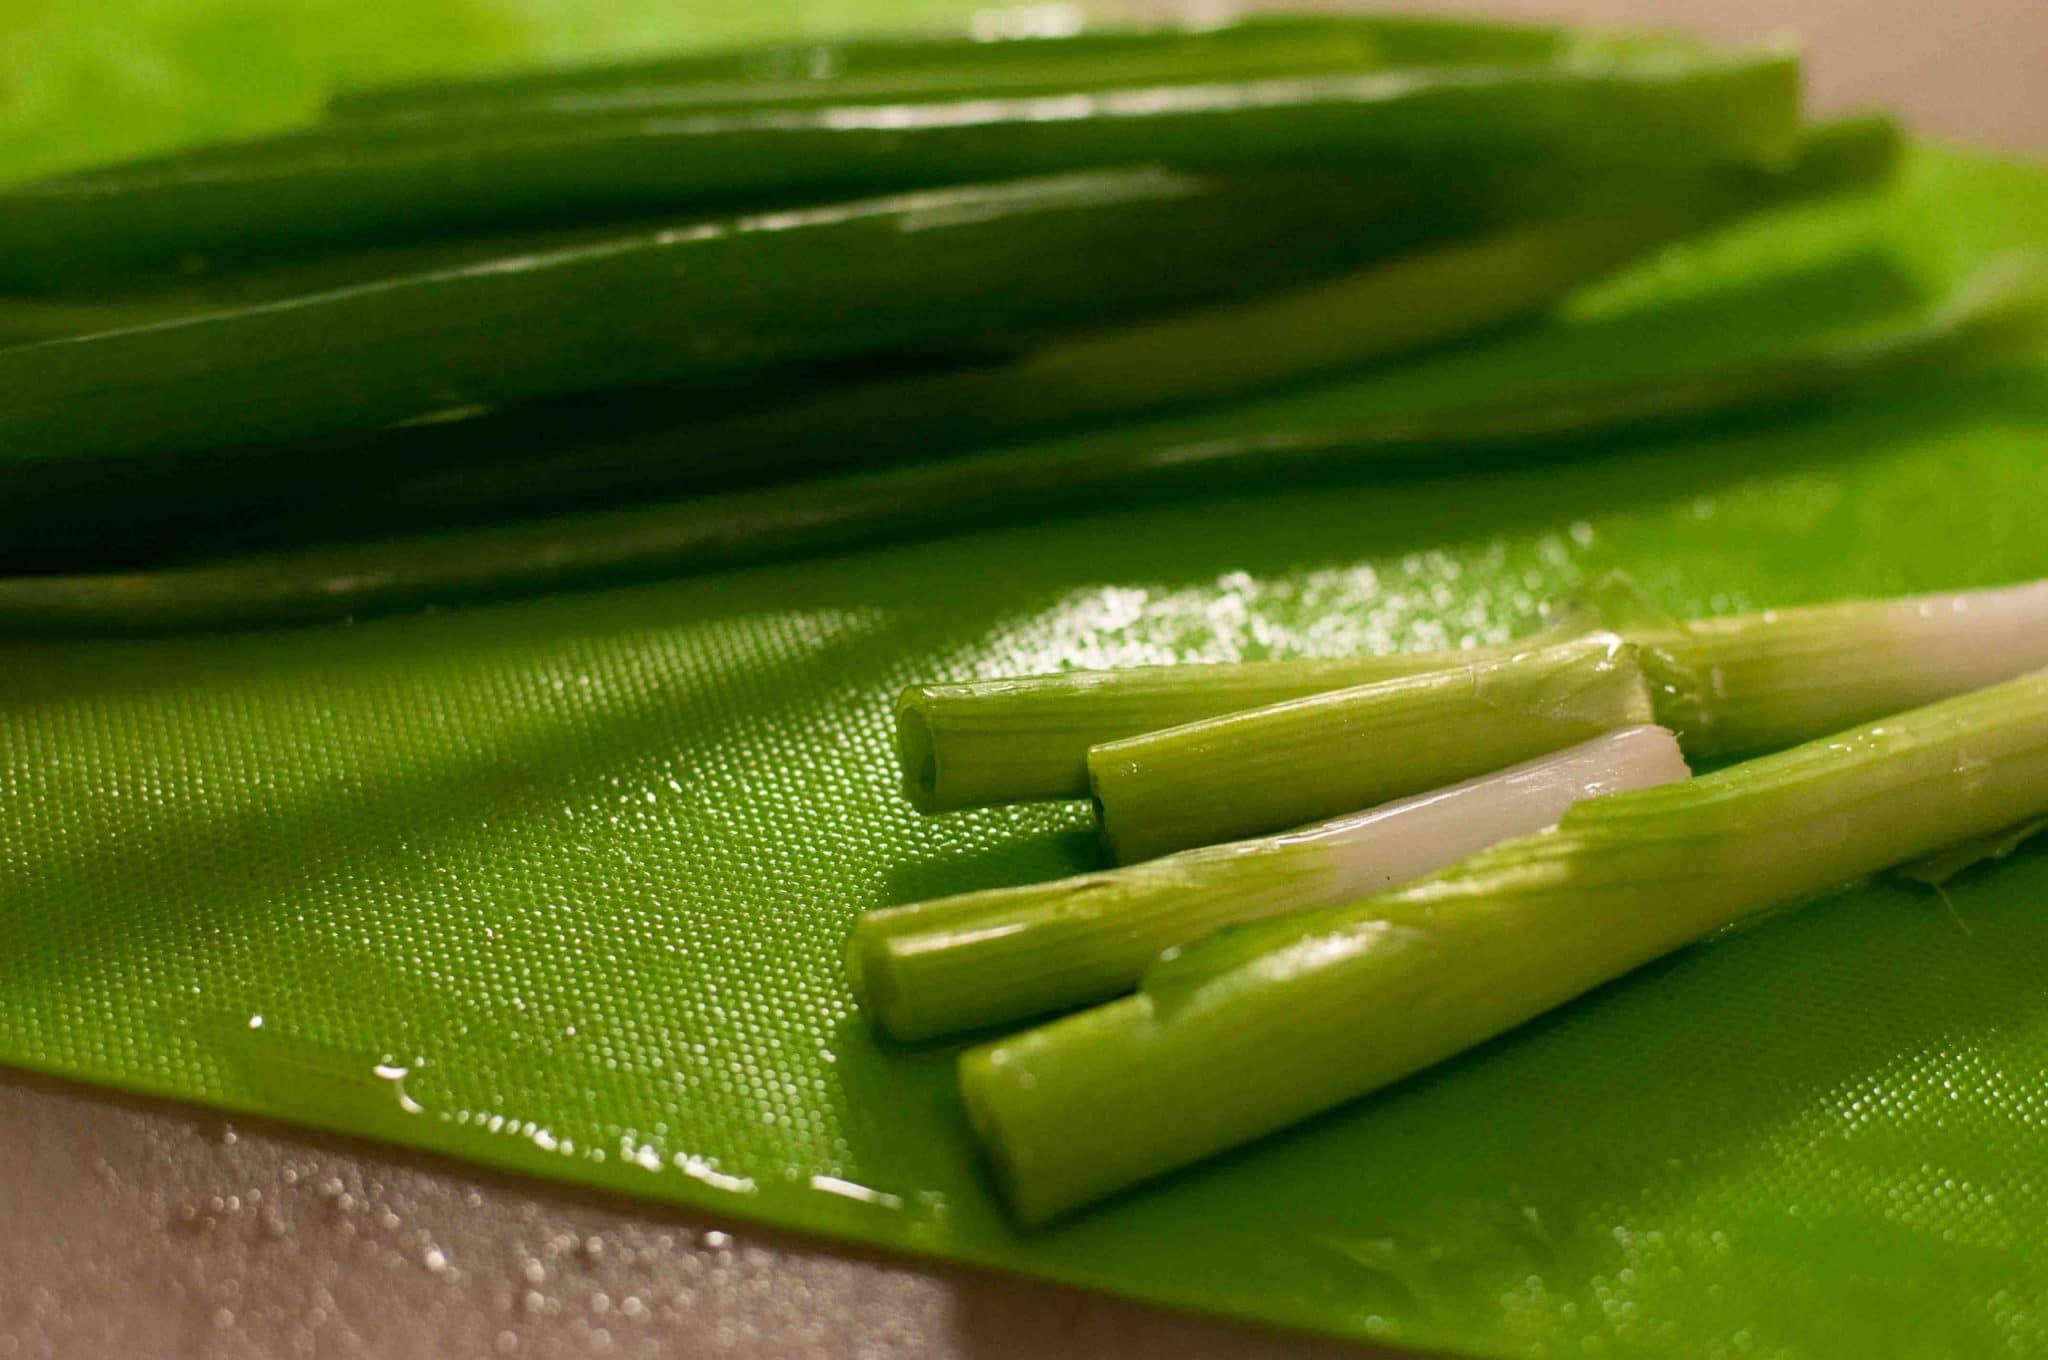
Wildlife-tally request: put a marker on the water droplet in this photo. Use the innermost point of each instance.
(862, 1194)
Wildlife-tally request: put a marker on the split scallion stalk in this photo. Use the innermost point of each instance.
(1269, 769)
(1007, 955)
(1023, 738)
(1257, 1028)
(282, 196)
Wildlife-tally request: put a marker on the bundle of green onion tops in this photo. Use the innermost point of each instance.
(513, 334)
(1337, 872)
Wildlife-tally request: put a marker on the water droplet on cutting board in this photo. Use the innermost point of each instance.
(366, 1092)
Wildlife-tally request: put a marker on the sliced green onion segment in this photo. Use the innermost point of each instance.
(1011, 954)
(1258, 1028)
(1758, 682)
(1730, 686)
(1269, 769)
(984, 742)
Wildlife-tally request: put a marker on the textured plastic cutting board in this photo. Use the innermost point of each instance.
(560, 885)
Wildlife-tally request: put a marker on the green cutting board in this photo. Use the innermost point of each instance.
(561, 885)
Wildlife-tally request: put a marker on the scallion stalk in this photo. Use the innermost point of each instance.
(289, 195)
(1750, 683)
(984, 742)
(1488, 252)
(1012, 954)
(863, 67)
(1257, 1028)
(1728, 686)
(1289, 764)
(1014, 739)
(704, 300)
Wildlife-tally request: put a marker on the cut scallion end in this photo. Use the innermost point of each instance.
(1728, 686)
(982, 959)
(984, 742)
(1288, 764)
(1257, 1028)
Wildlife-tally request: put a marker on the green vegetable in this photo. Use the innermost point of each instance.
(286, 194)
(1021, 738)
(1258, 1028)
(1729, 686)
(933, 66)
(697, 301)
(1002, 740)
(1262, 771)
(982, 742)
(1758, 682)
(1537, 234)
(1011, 954)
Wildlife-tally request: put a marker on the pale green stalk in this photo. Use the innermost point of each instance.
(983, 742)
(1012, 954)
(1255, 1029)
(1760, 682)
(1730, 686)
(1288, 764)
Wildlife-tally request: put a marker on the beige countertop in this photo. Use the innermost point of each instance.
(139, 1228)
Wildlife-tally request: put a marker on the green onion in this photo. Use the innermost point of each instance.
(1011, 954)
(1252, 773)
(1258, 1028)
(1506, 267)
(1759, 682)
(860, 68)
(699, 301)
(1021, 738)
(993, 740)
(984, 742)
(1728, 686)
(284, 195)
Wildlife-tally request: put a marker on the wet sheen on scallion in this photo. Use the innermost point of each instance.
(1262, 771)
(1729, 686)
(1011, 954)
(1260, 1027)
